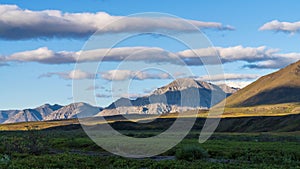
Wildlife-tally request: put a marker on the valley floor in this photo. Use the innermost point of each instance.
(68, 147)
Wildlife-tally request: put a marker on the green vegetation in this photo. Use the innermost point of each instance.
(263, 110)
(191, 152)
(65, 148)
(239, 143)
(38, 124)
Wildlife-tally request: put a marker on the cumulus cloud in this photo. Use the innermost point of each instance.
(132, 95)
(119, 75)
(256, 57)
(149, 54)
(44, 55)
(74, 75)
(232, 80)
(238, 84)
(275, 25)
(122, 95)
(278, 61)
(229, 54)
(220, 77)
(17, 23)
(138, 53)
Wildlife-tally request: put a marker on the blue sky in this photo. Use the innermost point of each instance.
(29, 83)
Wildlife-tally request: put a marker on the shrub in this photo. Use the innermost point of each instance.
(4, 161)
(31, 142)
(191, 152)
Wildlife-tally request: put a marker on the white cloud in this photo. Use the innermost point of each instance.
(119, 75)
(17, 23)
(258, 57)
(232, 80)
(148, 54)
(278, 61)
(43, 55)
(131, 95)
(220, 77)
(238, 84)
(275, 25)
(74, 74)
(46, 56)
(138, 53)
(229, 54)
(123, 95)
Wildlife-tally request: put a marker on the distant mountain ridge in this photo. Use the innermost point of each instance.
(163, 100)
(180, 95)
(171, 93)
(49, 112)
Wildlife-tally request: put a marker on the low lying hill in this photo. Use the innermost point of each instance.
(262, 110)
(288, 123)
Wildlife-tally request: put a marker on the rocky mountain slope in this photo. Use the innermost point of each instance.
(180, 95)
(49, 112)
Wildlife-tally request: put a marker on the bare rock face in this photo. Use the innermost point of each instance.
(75, 110)
(227, 89)
(157, 108)
(37, 114)
(180, 95)
(5, 115)
(184, 83)
(24, 115)
(49, 112)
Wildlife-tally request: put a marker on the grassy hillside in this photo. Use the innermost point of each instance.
(37, 124)
(262, 110)
(282, 86)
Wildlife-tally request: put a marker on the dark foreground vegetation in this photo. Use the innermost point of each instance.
(69, 147)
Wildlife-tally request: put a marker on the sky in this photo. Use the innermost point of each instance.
(51, 50)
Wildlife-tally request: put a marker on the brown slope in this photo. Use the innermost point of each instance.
(282, 86)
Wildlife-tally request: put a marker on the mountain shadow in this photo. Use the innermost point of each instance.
(274, 96)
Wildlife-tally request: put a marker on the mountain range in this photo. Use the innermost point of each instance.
(180, 95)
(163, 100)
(273, 94)
(49, 112)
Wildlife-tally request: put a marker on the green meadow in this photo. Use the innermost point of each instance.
(69, 147)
